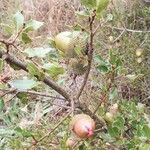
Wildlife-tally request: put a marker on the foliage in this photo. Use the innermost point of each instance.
(33, 115)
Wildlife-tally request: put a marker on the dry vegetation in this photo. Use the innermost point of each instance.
(124, 34)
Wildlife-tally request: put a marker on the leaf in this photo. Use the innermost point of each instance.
(119, 123)
(18, 20)
(23, 132)
(145, 147)
(89, 3)
(102, 69)
(83, 13)
(25, 38)
(113, 131)
(98, 59)
(32, 25)
(2, 104)
(54, 70)
(24, 84)
(101, 5)
(146, 131)
(38, 52)
(1, 65)
(35, 71)
(113, 93)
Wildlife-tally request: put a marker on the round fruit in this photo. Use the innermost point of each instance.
(70, 142)
(139, 60)
(109, 117)
(139, 52)
(70, 42)
(83, 126)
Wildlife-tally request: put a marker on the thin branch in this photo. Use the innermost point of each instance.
(12, 60)
(119, 36)
(30, 92)
(90, 55)
(128, 30)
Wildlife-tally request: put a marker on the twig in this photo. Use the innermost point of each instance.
(128, 30)
(90, 55)
(12, 60)
(30, 92)
(54, 127)
(119, 36)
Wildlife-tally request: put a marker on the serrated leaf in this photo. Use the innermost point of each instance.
(146, 131)
(37, 52)
(119, 123)
(1, 104)
(35, 71)
(25, 38)
(114, 131)
(1, 65)
(18, 20)
(54, 70)
(89, 3)
(102, 69)
(23, 132)
(101, 5)
(24, 84)
(32, 25)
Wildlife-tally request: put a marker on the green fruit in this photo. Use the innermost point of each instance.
(71, 44)
(109, 117)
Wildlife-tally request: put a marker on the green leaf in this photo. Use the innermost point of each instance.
(23, 132)
(54, 69)
(89, 3)
(24, 84)
(101, 5)
(119, 123)
(83, 13)
(114, 131)
(32, 25)
(102, 69)
(37, 52)
(23, 97)
(146, 131)
(25, 38)
(145, 147)
(1, 65)
(18, 20)
(35, 71)
(2, 104)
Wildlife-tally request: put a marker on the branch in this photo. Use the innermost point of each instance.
(128, 30)
(12, 60)
(90, 55)
(29, 92)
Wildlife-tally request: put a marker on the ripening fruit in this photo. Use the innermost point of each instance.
(139, 52)
(109, 117)
(70, 142)
(139, 60)
(83, 126)
(72, 43)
